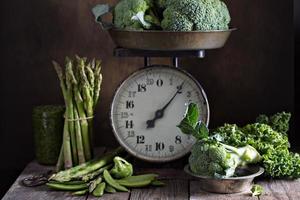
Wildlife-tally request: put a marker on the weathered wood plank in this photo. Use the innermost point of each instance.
(174, 189)
(114, 196)
(281, 189)
(197, 194)
(18, 191)
(169, 173)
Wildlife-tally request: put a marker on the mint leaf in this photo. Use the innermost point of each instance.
(190, 119)
(201, 131)
(190, 124)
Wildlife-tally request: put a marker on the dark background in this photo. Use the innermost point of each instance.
(254, 73)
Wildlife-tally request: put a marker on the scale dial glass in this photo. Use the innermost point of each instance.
(134, 108)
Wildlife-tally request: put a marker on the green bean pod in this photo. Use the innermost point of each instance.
(157, 183)
(68, 182)
(60, 186)
(137, 181)
(93, 184)
(80, 192)
(107, 177)
(109, 189)
(99, 190)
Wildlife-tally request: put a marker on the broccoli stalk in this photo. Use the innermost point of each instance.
(140, 18)
(209, 156)
(135, 15)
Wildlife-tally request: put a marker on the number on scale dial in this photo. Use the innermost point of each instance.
(147, 108)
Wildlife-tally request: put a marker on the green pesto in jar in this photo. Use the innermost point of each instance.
(47, 130)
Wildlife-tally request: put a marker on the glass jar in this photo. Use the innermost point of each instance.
(48, 125)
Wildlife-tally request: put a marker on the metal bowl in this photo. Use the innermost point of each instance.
(158, 39)
(241, 183)
(170, 40)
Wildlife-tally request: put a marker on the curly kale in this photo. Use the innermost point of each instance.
(279, 121)
(273, 145)
(190, 15)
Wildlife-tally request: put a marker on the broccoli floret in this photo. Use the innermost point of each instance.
(195, 15)
(134, 14)
(121, 169)
(213, 158)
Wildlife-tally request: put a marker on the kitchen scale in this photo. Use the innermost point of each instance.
(150, 103)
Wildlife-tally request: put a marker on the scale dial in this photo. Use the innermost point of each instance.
(149, 105)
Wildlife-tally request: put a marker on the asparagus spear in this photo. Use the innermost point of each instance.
(96, 173)
(66, 137)
(98, 82)
(70, 80)
(86, 168)
(79, 143)
(83, 122)
(60, 161)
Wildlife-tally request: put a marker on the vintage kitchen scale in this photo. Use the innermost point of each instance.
(149, 104)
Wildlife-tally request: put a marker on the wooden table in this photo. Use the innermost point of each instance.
(178, 186)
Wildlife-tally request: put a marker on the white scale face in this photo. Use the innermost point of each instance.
(147, 108)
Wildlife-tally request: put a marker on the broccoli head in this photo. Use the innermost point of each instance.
(213, 158)
(135, 15)
(191, 15)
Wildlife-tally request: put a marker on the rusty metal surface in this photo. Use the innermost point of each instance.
(168, 40)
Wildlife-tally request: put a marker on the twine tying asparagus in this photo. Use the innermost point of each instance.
(78, 119)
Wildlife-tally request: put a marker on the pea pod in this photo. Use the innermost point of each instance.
(68, 182)
(99, 190)
(107, 177)
(60, 186)
(80, 192)
(157, 183)
(93, 184)
(109, 189)
(137, 181)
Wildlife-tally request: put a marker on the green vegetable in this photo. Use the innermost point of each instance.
(277, 160)
(213, 158)
(92, 175)
(93, 184)
(190, 15)
(109, 189)
(257, 190)
(61, 186)
(99, 191)
(209, 156)
(157, 183)
(107, 177)
(137, 181)
(135, 14)
(80, 84)
(121, 169)
(69, 182)
(84, 169)
(279, 121)
(80, 192)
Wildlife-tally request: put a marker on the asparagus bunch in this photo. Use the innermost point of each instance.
(80, 82)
